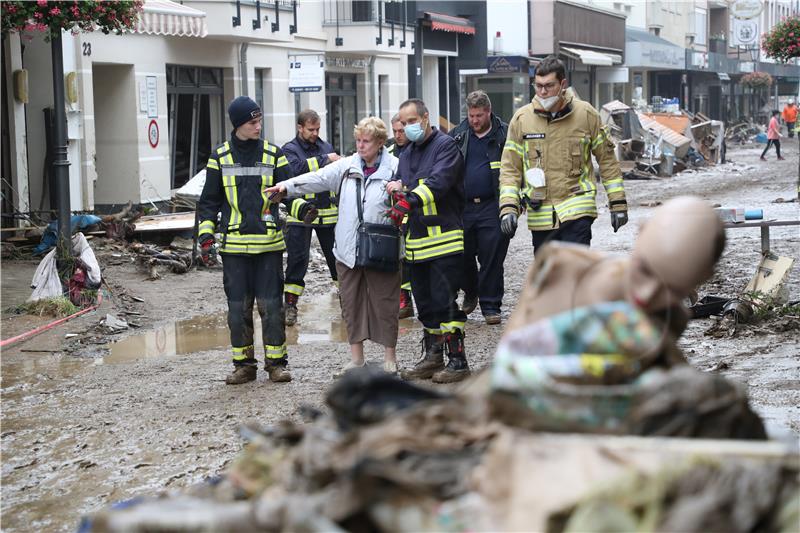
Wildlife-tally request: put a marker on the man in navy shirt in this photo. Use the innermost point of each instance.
(307, 153)
(481, 137)
(431, 193)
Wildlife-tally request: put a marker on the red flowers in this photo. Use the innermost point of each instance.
(783, 41)
(58, 15)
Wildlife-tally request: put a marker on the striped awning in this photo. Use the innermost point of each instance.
(164, 17)
(449, 23)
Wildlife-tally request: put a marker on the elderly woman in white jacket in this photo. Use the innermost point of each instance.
(368, 297)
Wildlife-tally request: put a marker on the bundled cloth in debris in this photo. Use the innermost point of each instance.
(46, 282)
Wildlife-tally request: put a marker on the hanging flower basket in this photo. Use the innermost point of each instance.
(50, 17)
(756, 80)
(782, 43)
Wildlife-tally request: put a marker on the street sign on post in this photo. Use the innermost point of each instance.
(306, 73)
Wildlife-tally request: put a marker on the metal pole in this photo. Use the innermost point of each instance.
(60, 158)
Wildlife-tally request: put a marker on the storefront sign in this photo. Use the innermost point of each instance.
(306, 74)
(745, 32)
(746, 9)
(152, 97)
(152, 133)
(346, 62)
(506, 64)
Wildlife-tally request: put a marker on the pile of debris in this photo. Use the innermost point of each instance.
(662, 144)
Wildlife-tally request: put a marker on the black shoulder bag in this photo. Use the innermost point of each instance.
(377, 245)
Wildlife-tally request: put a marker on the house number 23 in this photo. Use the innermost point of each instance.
(87, 49)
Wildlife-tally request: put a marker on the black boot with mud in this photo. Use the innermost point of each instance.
(432, 359)
(457, 368)
(291, 309)
(242, 373)
(276, 368)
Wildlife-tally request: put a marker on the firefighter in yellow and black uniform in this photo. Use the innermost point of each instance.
(251, 243)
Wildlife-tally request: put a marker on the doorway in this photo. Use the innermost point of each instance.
(196, 119)
(342, 105)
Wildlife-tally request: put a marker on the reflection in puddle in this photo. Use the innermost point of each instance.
(319, 321)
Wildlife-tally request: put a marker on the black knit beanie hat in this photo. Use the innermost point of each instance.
(243, 109)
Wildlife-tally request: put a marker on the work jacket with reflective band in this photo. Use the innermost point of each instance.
(497, 141)
(309, 157)
(562, 147)
(249, 219)
(432, 176)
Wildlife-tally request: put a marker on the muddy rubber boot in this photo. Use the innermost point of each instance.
(242, 373)
(406, 304)
(291, 309)
(276, 368)
(432, 359)
(457, 368)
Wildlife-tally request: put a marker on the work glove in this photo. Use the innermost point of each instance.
(400, 208)
(308, 212)
(618, 219)
(508, 224)
(207, 250)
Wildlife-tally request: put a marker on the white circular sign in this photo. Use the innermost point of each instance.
(746, 9)
(746, 31)
(152, 133)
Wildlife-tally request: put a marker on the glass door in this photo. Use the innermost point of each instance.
(341, 103)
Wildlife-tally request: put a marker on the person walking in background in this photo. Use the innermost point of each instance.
(252, 243)
(307, 153)
(790, 117)
(773, 136)
(481, 137)
(368, 296)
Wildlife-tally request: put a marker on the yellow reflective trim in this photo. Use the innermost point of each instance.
(452, 327)
(424, 193)
(282, 162)
(430, 253)
(406, 286)
(514, 147)
(292, 288)
(276, 351)
(313, 164)
(249, 249)
(212, 164)
(422, 242)
(433, 331)
(264, 184)
(494, 165)
(295, 210)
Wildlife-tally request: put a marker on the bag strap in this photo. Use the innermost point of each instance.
(358, 201)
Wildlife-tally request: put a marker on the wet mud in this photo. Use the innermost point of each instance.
(148, 410)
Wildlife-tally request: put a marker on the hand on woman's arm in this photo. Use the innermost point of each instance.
(276, 193)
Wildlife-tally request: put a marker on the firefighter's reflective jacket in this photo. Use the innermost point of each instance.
(433, 178)
(303, 157)
(561, 147)
(249, 222)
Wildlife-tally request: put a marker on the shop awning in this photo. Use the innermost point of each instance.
(449, 23)
(590, 57)
(164, 17)
(723, 76)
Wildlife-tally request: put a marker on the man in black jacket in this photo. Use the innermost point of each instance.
(252, 244)
(308, 153)
(481, 138)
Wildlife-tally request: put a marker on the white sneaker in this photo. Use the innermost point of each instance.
(349, 366)
(390, 367)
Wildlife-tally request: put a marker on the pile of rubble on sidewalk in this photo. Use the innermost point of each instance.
(663, 143)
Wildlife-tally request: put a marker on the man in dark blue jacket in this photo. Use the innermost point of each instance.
(431, 193)
(307, 153)
(481, 138)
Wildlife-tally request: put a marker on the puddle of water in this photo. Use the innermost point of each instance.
(319, 321)
(15, 283)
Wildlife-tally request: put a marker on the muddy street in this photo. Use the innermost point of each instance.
(93, 419)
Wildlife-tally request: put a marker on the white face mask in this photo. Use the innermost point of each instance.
(548, 103)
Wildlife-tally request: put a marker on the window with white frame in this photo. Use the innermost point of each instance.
(700, 26)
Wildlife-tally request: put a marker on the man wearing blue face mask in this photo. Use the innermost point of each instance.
(547, 160)
(431, 192)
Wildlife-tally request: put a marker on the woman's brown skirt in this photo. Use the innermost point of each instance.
(370, 304)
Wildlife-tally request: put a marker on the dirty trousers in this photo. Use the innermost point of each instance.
(434, 285)
(484, 240)
(369, 304)
(258, 278)
(298, 244)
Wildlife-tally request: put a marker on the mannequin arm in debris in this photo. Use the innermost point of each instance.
(210, 199)
(445, 174)
(603, 150)
(512, 169)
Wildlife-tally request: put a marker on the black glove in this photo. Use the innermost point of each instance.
(307, 212)
(618, 219)
(508, 224)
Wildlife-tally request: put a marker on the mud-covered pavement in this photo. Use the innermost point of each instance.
(88, 426)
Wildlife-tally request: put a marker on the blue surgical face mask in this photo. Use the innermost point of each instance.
(414, 132)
